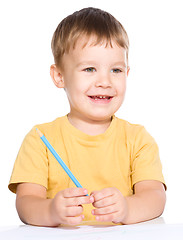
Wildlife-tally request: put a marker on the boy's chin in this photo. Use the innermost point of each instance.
(101, 118)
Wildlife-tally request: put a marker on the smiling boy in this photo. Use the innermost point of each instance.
(116, 162)
(94, 78)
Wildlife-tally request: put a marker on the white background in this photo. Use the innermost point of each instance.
(154, 90)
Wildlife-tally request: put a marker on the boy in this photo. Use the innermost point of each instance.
(116, 162)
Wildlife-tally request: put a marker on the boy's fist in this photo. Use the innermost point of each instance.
(110, 205)
(66, 207)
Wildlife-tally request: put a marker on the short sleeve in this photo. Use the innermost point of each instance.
(31, 164)
(145, 162)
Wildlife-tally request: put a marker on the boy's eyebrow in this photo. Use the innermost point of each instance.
(120, 63)
(85, 63)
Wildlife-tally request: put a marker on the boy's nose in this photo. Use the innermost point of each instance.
(103, 80)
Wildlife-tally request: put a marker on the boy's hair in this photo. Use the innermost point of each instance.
(86, 23)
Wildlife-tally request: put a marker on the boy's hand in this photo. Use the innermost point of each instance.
(66, 207)
(110, 205)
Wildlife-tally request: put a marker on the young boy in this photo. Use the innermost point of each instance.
(116, 162)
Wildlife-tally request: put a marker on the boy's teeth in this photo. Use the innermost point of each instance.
(100, 97)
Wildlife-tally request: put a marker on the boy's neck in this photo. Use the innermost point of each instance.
(90, 127)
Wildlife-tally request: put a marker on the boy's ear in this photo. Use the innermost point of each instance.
(56, 76)
(128, 69)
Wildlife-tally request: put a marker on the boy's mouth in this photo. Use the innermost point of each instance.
(100, 98)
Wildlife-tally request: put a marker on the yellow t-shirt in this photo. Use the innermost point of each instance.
(122, 156)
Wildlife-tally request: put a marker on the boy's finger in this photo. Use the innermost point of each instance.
(74, 220)
(76, 201)
(106, 192)
(106, 218)
(105, 210)
(74, 192)
(73, 211)
(93, 193)
(104, 202)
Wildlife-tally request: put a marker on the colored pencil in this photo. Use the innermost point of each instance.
(58, 158)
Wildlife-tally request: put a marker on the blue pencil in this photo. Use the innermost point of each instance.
(55, 154)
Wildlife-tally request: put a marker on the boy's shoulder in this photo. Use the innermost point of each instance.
(134, 132)
(51, 125)
(128, 126)
(51, 129)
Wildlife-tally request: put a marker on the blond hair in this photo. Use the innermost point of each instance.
(87, 22)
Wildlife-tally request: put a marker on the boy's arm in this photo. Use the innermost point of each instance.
(32, 205)
(146, 203)
(65, 208)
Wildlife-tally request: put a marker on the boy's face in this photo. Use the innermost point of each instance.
(94, 78)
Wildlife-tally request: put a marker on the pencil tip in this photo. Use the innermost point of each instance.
(39, 132)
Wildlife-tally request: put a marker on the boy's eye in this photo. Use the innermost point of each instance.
(90, 69)
(116, 70)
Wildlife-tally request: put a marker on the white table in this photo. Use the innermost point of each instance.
(151, 230)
